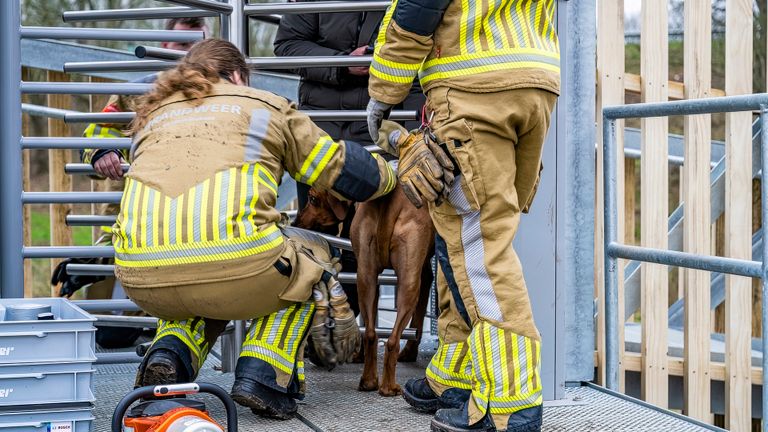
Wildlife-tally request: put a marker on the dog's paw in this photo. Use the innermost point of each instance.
(367, 384)
(391, 390)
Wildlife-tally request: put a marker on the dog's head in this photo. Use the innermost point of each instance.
(323, 213)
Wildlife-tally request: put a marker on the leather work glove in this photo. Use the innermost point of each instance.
(387, 130)
(322, 325)
(376, 111)
(346, 333)
(70, 284)
(425, 171)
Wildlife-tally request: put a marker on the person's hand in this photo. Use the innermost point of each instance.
(375, 112)
(110, 166)
(425, 171)
(358, 70)
(346, 333)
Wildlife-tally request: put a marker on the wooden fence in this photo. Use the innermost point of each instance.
(730, 236)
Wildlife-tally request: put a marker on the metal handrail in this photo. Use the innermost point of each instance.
(136, 14)
(111, 34)
(614, 250)
(319, 115)
(315, 7)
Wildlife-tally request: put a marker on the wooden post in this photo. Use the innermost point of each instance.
(654, 177)
(610, 91)
(696, 196)
(26, 130)
(738, 236)
(630, 206)
(58, 180)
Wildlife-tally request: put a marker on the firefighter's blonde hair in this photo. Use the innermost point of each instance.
(205, 64)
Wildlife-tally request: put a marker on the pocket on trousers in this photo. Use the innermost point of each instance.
(304, 273)
(468, 193)
(527, 207)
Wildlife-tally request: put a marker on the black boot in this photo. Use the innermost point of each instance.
(162, 367)
(420, 396)
(262, 400)
(455, 420)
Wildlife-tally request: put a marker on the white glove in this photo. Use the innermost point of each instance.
(375, 112)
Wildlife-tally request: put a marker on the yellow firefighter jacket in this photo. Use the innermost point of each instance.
(199, 200)
(472, 45)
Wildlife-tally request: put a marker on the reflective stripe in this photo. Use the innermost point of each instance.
(266, 179)
(500, 356)
(496, 60)
(287, 328)
(193, 338)
(257, 132)
(381, 38)
(492, 21)
(393, 71)
(200, 252)
(442, 367)
(317, 160)
(474, 255)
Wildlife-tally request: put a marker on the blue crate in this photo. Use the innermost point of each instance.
(52, 383)
(68, 338)
(51, 420)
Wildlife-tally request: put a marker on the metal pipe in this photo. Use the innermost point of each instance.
(117, 358)
(135, 14)
(315, 7)
(106, 305)
(338, 242)
(253, 62)
(44, 111)
(118, 66)
(325, 115)
(125, 321)
(84, 168)
(100, 117)
(143, 51)
(611, 273)
(75, 143)
(375, 149)
(238, 28)
(84, 88)
(130, 35)
(687, 107)
(71, 197)
(307, 61)
(687, 260)
(90, 220)
(67, 251)
(352, 278)
(210, 5)
(11, 221)
(764, 264)
(239, 337)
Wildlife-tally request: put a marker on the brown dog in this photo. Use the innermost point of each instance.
(388, 232)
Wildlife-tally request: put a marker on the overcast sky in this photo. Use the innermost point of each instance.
(632, 7)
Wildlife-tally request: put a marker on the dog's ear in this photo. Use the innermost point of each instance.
(340, 208)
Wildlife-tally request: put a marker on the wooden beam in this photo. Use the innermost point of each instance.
(654, 192)
(610, 91)
(630, 203)
(676, 88)
(676, 367)
(738, 215)
(696, 195)
(58, 180)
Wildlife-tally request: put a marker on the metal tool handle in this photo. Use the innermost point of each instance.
(174, 390)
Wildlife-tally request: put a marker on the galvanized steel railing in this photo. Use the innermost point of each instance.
(615, 250)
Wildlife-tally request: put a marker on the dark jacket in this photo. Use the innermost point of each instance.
(333, 88)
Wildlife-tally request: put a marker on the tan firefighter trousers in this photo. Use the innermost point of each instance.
(488, 339)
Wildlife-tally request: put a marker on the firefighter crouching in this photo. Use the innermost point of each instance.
(198, 240)
(491, 74)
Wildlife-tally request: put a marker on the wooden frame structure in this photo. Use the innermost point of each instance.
(699, 232)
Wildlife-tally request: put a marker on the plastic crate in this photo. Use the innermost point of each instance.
(68, 338)
(52, 420)
(51, 383)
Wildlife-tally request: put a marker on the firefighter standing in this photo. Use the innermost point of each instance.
(198, 240)
(491, 74)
